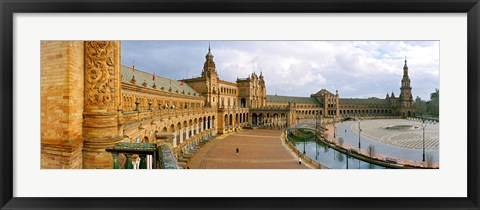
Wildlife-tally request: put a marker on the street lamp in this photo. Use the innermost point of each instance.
(334, 128)
(359, 131)
(424, 125)
(304, 140)
(347, 158)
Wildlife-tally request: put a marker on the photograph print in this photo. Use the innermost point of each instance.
(211, 104)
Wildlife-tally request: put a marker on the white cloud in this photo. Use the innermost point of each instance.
(355, 68)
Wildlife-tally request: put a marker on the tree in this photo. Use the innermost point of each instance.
(340, 156)
(433, 104)
(420, 106)
(435, 95)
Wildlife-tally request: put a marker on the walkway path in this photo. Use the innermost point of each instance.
(259, 149)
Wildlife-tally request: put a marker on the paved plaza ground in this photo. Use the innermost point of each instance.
(410, 139)
(259, 149)
(403, 145)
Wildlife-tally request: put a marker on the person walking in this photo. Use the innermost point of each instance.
(299, 159)
(237, 150)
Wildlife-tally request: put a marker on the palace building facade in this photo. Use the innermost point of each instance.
(90, 103)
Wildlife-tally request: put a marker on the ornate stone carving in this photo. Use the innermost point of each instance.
(99, 73)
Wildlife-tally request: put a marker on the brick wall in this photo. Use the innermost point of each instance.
(62, 89)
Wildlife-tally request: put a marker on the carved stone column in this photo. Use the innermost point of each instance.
(102, 102)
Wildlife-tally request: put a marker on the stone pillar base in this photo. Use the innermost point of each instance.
(61, 156)
(94, 154)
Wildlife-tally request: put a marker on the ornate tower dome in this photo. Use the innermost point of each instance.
(209, 54)
(209, 65)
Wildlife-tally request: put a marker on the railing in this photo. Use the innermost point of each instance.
(270, 109)
(188, 148)
(428, 120)
(235, 109)
(146, 153)
(130, 117)
(143, 156)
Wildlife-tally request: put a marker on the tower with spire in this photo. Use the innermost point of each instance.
(406, 99)
(210, 76)
(262, 91)
(209, 69)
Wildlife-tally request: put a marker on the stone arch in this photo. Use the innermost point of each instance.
(184, 129)
(243, 103)
(213, 122)
(171, 128)
(189, 127)
(208, 123)
(178, 126)
(195, 126)
(254, 119)
(145, 139)
(225, 120)
(204, 123)
(177, 133)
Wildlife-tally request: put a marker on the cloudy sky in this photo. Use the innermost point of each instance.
(358, 69)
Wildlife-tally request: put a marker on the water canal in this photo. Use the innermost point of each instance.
(325, 155)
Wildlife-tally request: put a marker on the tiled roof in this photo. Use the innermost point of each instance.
(141, 77)
(293, 99)
(362, 101)
(323, 91)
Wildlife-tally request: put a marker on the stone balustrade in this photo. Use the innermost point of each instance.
(130, 117)
(138, 155)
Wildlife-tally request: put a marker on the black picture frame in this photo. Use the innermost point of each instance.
(10, 7)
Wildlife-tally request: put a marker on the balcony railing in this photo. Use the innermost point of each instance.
(271, 109)
(150, 156)
(233, 109)
(141, 150)
(130, 117)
